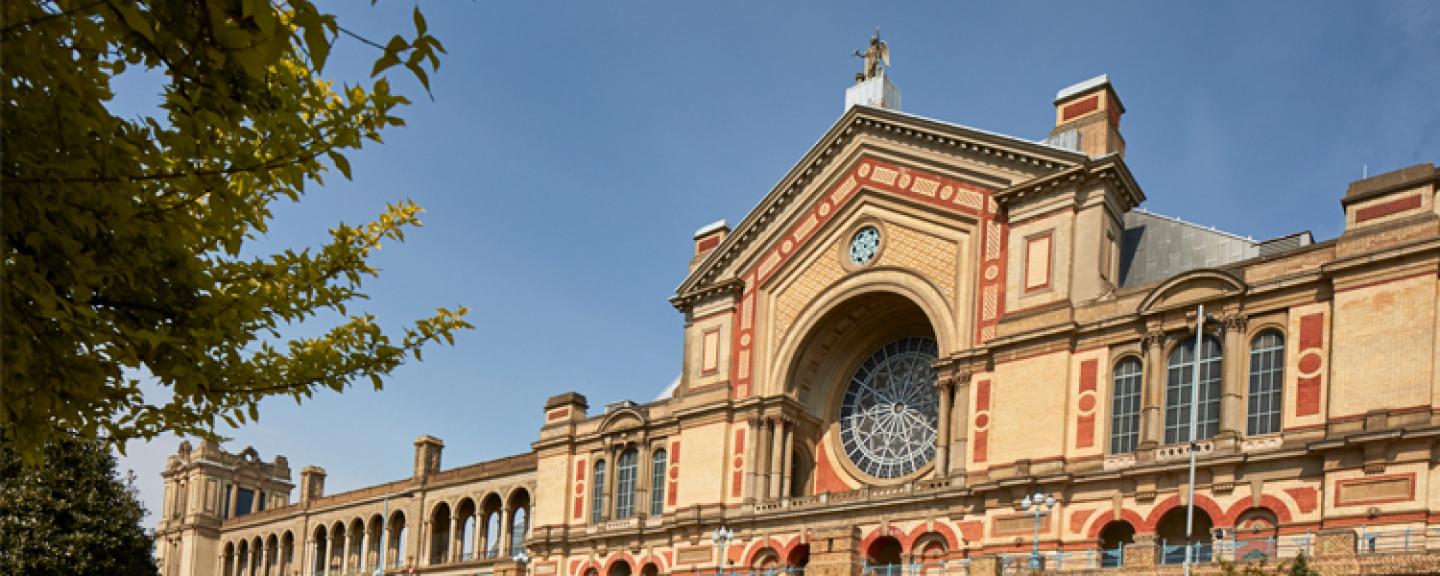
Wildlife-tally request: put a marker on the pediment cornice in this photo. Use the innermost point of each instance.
(1022, 157)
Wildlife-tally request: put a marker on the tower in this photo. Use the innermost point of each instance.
(203, 488)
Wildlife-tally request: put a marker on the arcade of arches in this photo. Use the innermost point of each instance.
(920, 325)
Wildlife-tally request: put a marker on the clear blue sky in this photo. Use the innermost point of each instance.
(571, 149)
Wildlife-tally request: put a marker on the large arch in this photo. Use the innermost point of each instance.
(841, 299)
(518, 507)
(466, 529)
(438, 549)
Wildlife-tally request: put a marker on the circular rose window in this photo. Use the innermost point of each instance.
(889, 414)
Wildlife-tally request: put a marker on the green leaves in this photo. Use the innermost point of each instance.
(123, 235)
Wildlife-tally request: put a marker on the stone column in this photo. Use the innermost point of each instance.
(959, 422)
(608, 505)
(753, 446)
(451, 553)
(230, 507)
(945, 388)
(788, 463)
(1152, 406)
(265, 558)
(777, 455)
(330, 553)
(479, 537)
(506, 519)
(762, 459)
(1233, 378)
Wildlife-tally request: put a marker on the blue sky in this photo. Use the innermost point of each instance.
(571, 149)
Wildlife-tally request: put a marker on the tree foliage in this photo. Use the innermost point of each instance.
(123, 237)
(75, 516)
(1299, 566)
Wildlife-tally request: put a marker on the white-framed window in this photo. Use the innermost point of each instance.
(658, 462)
(1179, 379)
(1125, 406)
(1267, 380)
(625, 470)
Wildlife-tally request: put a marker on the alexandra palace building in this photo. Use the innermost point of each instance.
(936, 349)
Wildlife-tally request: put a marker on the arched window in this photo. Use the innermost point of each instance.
(519, 522)
(1267, 378)
(658, 463)
(625, 483)
(1125, 407)
(1178, 381)
(597, 499)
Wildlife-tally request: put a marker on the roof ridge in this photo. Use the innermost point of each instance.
(1179, 220)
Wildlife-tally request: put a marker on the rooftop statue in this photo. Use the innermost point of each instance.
(877, 57)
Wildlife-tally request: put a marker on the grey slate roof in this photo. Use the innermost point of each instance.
(1157, 247)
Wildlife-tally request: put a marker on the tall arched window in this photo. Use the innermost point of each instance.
(1267, 378)
(519, 523)
(658, 463)
(1178, 381)
(597, 499)
(1125, 407)
(625, 483)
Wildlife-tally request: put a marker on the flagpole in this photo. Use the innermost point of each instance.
(1194, 417)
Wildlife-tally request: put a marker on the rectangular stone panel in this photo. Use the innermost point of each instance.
(1378, 490)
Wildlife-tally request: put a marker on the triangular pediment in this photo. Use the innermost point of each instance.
(916, 158)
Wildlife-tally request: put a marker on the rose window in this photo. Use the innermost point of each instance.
(889, 414)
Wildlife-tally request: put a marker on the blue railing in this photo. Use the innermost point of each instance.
(1201, 552)
(928, 568)
(1391, 540)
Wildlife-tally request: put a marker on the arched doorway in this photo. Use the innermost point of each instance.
(1113, 539)
(649, 569)
(1171, 532)
(1255, 533)
(619, 568)
(883, 557)
(929, 553)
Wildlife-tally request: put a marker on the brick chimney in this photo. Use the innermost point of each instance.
(1087, 118)
(312, 483)
(706, 239)
(427, 456)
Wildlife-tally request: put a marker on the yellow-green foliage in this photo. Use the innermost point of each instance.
(122, 237)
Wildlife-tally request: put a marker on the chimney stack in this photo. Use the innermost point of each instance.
(312, 483)
(1087, 118)
(706, 239)
(427, 456)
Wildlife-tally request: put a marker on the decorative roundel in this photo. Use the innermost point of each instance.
(889, 415)
(864, 245)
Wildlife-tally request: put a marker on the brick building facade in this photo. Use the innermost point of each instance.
(919, 326)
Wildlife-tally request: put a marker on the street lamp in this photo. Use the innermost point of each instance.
(385, 529)
(722, 537)
(1037, 506)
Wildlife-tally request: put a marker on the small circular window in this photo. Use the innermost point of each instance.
(890, 413)
(864, 245)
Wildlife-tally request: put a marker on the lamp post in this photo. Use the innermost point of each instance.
(384, 530)
(1037, 506)
(721, 537)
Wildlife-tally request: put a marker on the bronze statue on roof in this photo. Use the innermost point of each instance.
(877, 57)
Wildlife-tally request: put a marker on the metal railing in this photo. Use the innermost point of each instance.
(929, 568)
(1394, 540)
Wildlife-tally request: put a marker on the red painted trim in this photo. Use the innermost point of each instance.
(1306, 498)
(1078, 518)
(1371, 480)
(558, 414)
(1387, 208)
(1071, 111)
(1312, 331)
(707, 243)
(982, 396)
(826, 479)
(1126, 515)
